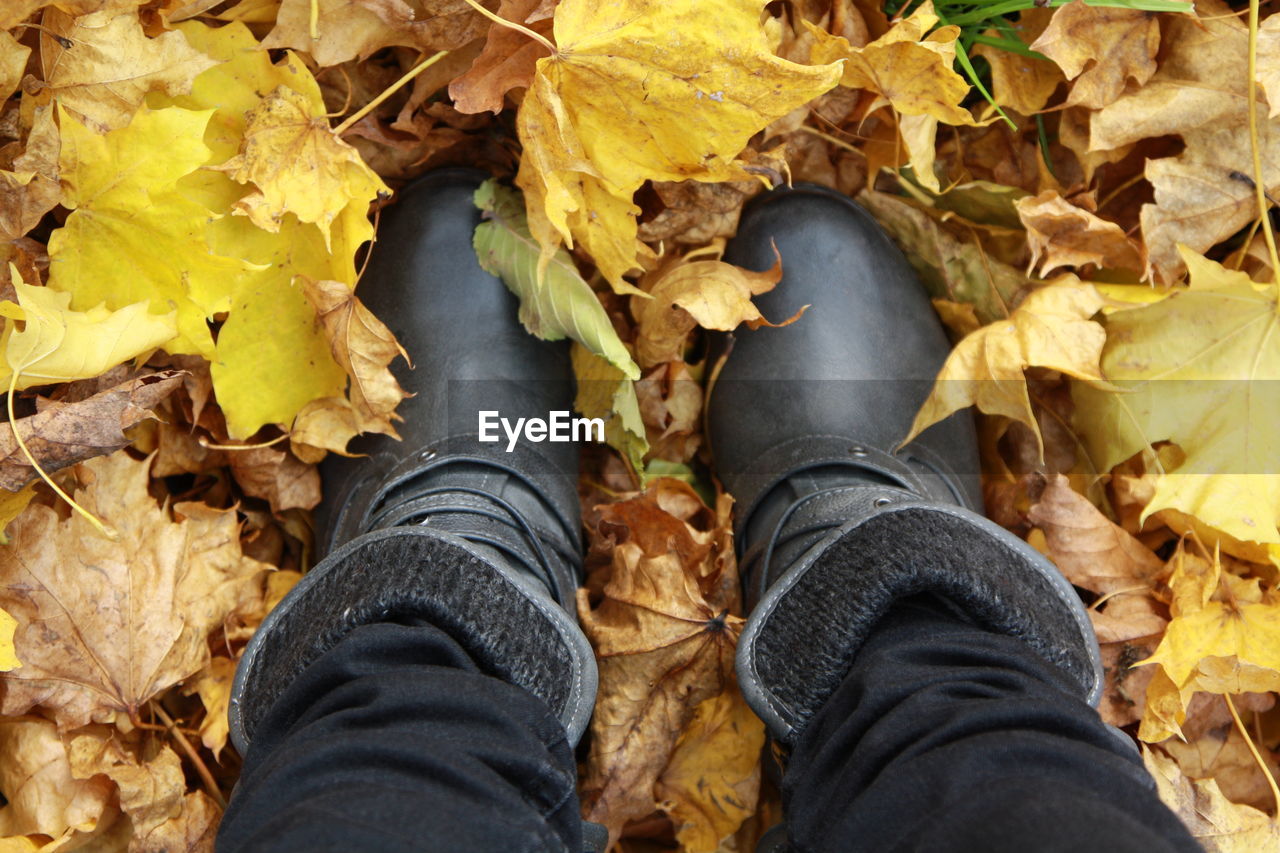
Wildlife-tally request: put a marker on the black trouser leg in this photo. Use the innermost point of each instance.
(947, 737)
(395, 741)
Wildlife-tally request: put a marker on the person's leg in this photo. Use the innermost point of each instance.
(948, 737)
(394, 740)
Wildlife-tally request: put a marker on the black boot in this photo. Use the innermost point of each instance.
(481, 541)
(835, 522)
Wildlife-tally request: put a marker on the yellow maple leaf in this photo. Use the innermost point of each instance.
(57, 344)
(109, 65)
(1197, 368)
(909, 70)
(1051, 328)
(1224, 638)
(642, 90)
(298, 165)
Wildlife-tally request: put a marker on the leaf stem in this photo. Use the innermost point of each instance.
(105, 530)
(1257, 756)
(388, 92)
(1259, 183)
(202, 769)
(512, 25)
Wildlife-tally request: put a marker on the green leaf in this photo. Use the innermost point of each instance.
(555, 303)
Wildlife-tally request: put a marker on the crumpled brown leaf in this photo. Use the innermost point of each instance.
(62, 434)
(105, 625)
(1101, 49)
(507, 60)
(664, 634)
(1061, 234)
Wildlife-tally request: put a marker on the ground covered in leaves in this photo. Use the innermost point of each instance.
(187, 192)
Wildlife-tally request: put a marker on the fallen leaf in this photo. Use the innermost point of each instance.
(607, 112)
(1204, 194)
(1197, 369)
(1051, 328)
(57, 344)
(42, 796)
(605, 392)
(1092, 551)
(1220, 825)
(1060, 234)
(150, 791)
(111, 65)
(1101, 49)
(555, 302)
(298, 165)
(908, 69)
(276, 476)
(1020, 82)
(507, 61)
(351, 29)
(106, 625)
(213, 685)
(62, 434)
(664, 637)
(688, 294)
(711, 784)
(365, 348)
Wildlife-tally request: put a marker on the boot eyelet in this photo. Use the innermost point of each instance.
(858, 450)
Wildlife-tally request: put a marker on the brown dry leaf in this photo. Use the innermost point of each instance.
(364, 347)
(710, 294)
(1205, 194)
(1101, 48)
(353, 29)
(1019, 82)
(277, 477)
(43, 797)
(112, 66)
(712, 782)
(62, 434)
(1092, 551)
(1060, 234)
(31, 190)
(664, 637)
(507, 61)
(1217, 823)
(150, 792)
(104, 626)
(192, 830)
(213, 684)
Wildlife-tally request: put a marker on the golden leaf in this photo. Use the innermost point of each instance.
(612, 108)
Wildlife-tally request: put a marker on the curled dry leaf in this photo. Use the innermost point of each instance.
(607, 112)
(364, 347)
(1101, 49)
(664, 634)
(688, 294)
(1060, 234)
(103, 626)
(277, 477)
(507, 61)
(62, 434)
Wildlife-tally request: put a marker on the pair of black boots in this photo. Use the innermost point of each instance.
(834, 523)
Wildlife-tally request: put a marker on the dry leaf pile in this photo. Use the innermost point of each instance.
(187, 192)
